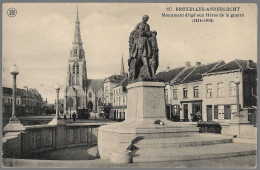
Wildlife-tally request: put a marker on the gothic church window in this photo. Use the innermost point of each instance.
(73, 68)
(90, 95)
(77, 68)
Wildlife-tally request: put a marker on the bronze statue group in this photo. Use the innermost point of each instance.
(143, 53)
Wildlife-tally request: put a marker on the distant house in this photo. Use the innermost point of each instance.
(28, 102)
(167, 76)
(109, 84)
(120, 100)
(219, 103)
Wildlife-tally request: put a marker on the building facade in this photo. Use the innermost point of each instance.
(28, 102)
(120, 100)
(187, 90)
(219, 88)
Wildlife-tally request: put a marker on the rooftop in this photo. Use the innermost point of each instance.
(96, 84)
(167, 76)
(192, 74)
(234, 65)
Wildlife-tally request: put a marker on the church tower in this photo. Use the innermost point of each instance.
(76, 79)
(77, 71)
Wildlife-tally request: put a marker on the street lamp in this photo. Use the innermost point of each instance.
(66, 100)
(237, 82)
(14, 71)
(57, 87)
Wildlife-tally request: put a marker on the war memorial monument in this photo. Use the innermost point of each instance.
(146, 102)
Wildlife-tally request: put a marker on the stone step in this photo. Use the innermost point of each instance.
(193, 140)
(194, 153)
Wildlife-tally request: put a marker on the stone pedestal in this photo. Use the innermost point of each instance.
(57, 121)
(145, 105)
(237, 122)
(14, 125)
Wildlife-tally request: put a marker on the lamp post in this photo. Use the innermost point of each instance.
(66, 100)
(14, 71)
(14, 124)
(57, 87)
(237, 82)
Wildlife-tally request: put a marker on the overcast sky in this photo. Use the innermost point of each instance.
(39, 38)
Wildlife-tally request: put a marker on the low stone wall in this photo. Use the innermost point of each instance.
(40, 138)
(246, 130)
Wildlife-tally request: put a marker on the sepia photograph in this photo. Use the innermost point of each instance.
(129, 85)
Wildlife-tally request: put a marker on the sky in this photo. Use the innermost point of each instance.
(39, 38)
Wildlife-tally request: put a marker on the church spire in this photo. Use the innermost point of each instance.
(77, 36)
(122, 71)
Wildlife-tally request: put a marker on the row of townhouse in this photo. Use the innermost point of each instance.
(28, 101)
(209, 89)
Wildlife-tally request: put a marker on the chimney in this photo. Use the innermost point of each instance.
(167, 68)
(187, 64)
(197, 63)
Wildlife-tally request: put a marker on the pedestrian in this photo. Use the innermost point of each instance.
(74, 117)
(65, 118)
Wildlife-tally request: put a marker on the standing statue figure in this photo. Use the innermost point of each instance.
(154, 61)
(141, 52)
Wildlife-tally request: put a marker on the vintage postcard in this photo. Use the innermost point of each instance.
(134, 85)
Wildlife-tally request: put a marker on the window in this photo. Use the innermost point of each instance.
(116, 91)
(8, 100)
(75, 52)
(119, 90)
(175, 94)
(196, 91)
(77, 68)
(208, 90)
(107, 89)
(73, 68)
(232, 89)
(175, 109)
(220, 89)
(233, 110)
(119, 101)
(90, 95)
(221, 112)
(185, 92)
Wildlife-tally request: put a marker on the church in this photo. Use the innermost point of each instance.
(80, 92)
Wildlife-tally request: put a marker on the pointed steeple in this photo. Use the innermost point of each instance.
(122, 71)
(77, 36)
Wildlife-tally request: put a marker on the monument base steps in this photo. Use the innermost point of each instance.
(194, 147)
